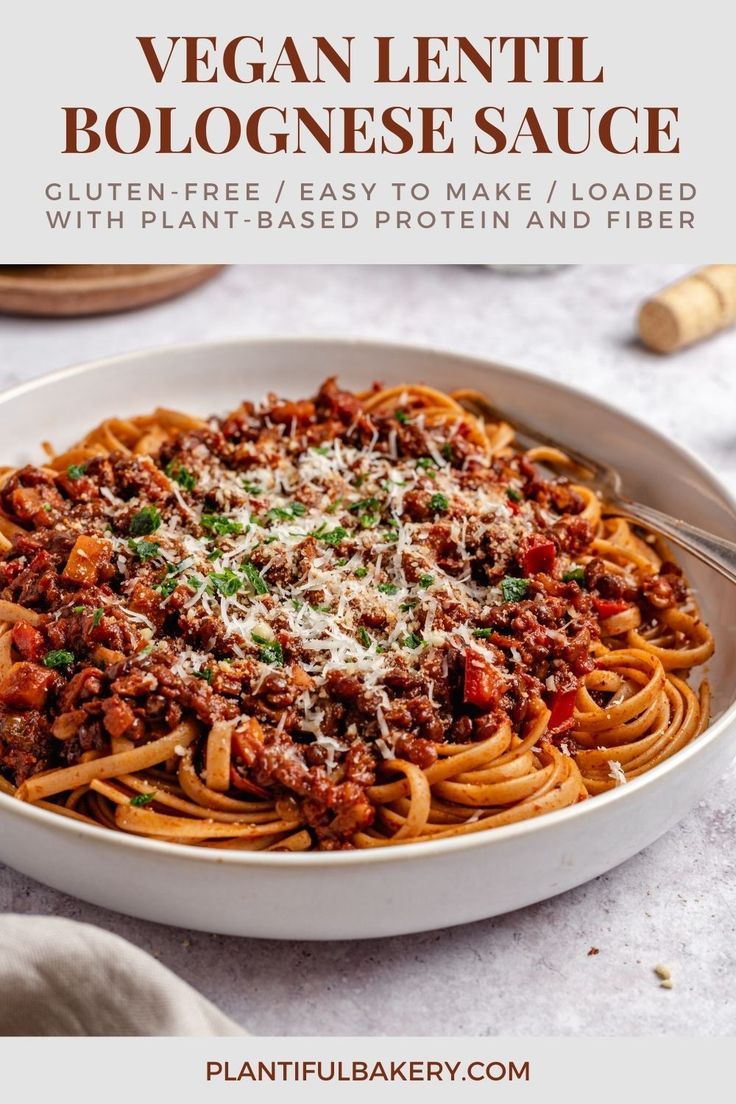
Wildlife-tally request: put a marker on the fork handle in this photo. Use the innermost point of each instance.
(717, 552)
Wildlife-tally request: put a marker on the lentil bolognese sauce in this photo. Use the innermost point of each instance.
(349, 621)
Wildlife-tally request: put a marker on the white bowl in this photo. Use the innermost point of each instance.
(404, 888)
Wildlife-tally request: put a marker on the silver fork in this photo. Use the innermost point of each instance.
(717, 552)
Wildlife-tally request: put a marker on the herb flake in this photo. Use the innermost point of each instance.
(257, 583)
(145, 522)
(513, 589)
(142, 799)
(58, 659)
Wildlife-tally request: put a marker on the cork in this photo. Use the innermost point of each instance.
(693, 308)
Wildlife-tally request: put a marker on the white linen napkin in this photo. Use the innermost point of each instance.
(60, 977)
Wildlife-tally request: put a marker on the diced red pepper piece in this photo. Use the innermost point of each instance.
(539, 557)
(28, 641)
(561, 707)
(606, 607)
(484, 684)
(26, 685)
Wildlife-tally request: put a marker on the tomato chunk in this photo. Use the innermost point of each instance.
(26, 685)
(484, 684)
(605, 607)
(28, 641)
(562, 708)
(539, 557)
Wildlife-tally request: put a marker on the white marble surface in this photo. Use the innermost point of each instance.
(529, 972)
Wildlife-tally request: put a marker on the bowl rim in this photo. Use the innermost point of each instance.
(281, 860)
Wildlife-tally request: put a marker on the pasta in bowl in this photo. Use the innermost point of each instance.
(339, 622)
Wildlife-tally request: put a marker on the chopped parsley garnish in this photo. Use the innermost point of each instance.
(360, 572)
(483, 634)
(512, 589)
(143, 798)
(333, 537)
(58, 659)
(97, 617)
(167, 586)
(365, 504)
(181, 475)
(446, 451)
(364, 637)
(76, 471)
(426, 462)
(393, 532)
(341, 562)
(323, 450)
(143, 549)
(78, 609)
(220, 525)
(204, 673)
(387, 588)
(286, 513)
(574, 575)
(146, 521)
(401, 417)
(408, 605)
(255, 579)
(225, 582)
(513, 494)
(425, 581)
(413, 640)
(439, 503)
(252, 488)
(170, 581)
(368, 511)
(270, 651)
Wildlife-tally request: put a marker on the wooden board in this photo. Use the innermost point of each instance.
(68, 290)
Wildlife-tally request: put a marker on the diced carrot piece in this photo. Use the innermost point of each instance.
(28, 641)
(287, 412)
(26, 685)
(29, 504)
(86, 558)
